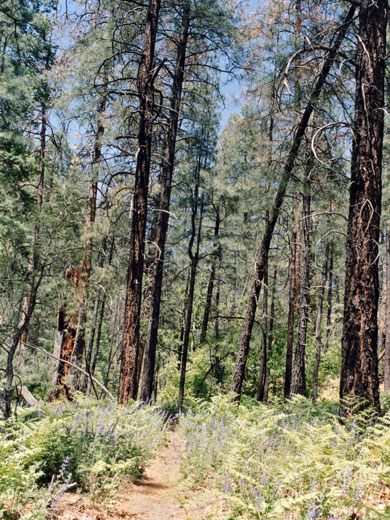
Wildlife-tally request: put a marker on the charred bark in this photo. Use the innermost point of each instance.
(128, 384)
(320, 301)
(292, 303)
(264, 340)
(359, 366)
(166, 175)
(387, 336)
(210, 286)
(298, 381)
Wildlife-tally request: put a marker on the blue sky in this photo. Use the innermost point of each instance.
(231, 90)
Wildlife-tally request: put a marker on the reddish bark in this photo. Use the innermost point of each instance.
(166, 175)
(128, 383)
(359, 368)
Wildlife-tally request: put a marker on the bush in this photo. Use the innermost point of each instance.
(89, 444)
(291, 461)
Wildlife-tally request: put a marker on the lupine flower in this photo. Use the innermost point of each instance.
(314, 512)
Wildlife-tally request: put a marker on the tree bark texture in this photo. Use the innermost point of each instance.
(86, 263)
(210, 286)
(387, 336)
(298, 381)
(320, 302)
(166, 175)
(128, 381)
(292, 303)
(243, 350)
(264, 341)
(359, 367)
(194, 258)
(330, 297)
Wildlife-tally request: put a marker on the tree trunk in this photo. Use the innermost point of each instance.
(387, 340)
(330, 297)
(359, 367)
(320, 301)
(73, 343)
(33, 264)
(113, 341)
(292, 303)
(166, 175)
(210, 286)
(242, 355)
(128, 384)
(86, 264)
(9, 369)
(270, 336)
(298, 381)
(264, 340)
(194, 258)
(183, 322)
(97, 321)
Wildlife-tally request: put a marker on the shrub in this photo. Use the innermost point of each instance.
(89, 444)
(289, 461)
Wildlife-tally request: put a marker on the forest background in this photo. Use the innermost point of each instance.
(150, 252)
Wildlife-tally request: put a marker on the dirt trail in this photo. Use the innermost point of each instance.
(156, 496)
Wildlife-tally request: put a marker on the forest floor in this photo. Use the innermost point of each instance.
(158, 495)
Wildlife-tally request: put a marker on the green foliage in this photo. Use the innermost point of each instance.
(291, 460)
(89, 444)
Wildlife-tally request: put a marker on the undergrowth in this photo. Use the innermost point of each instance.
(87, 445)
(290, 460)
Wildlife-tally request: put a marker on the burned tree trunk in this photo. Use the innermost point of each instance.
(330, 296)
(359, 366)
(128, 383)
(292, 303)
(298, 382)
(194, 259)
(166, 175)
(320, 301)
(264, 341)
(86, 264)
(210, 286)
(387, 336)
(242, 355)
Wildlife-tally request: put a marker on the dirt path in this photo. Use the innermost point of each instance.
(157, 496)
